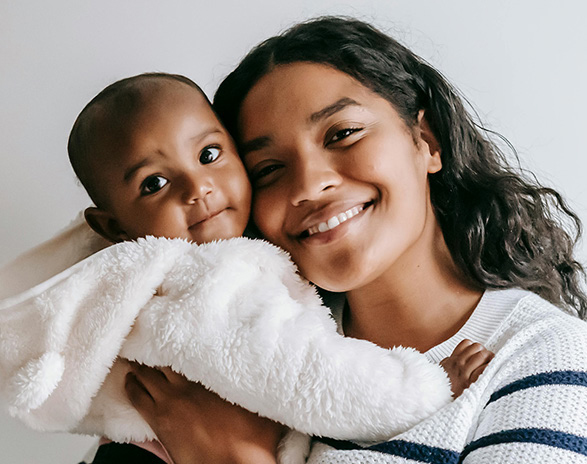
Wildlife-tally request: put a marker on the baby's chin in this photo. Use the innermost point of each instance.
(224, 234)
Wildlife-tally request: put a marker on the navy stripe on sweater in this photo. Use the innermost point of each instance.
(402, 448)
(434, 455)
(537, 380)
(417, 452)
(547, 437)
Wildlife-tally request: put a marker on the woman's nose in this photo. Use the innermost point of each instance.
(313, 175)
(196, 187)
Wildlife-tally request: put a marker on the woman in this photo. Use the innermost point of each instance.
(368, 170)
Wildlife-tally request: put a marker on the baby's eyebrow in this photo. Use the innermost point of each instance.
(130, 172)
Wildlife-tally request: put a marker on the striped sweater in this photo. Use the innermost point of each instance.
(528, 407)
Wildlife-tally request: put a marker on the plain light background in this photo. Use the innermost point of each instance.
(523, 65)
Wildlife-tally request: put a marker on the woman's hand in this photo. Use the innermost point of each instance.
(197, 426)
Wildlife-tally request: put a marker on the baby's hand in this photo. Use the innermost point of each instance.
(466, 363)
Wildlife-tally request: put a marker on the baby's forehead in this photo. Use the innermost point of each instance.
(124, 115)
(144, 96)
(128, 118)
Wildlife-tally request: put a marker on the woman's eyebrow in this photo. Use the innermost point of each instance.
(262, 142)
(253, 145)
(329, 110)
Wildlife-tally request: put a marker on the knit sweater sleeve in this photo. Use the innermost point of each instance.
(537, 409)
(530, 405)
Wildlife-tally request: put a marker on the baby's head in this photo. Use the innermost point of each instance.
(156, 160)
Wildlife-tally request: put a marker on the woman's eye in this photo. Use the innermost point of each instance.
(264, 174)
(343, 134)
(153, 184)
(209, 155)
(265, 171)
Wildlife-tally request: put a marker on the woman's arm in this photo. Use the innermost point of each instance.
(197, 426)
(539, 418)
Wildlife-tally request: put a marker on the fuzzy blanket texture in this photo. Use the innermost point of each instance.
(233, 315)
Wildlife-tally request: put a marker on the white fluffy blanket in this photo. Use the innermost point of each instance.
(233, 315)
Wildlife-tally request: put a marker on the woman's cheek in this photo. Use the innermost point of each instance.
(266, 217)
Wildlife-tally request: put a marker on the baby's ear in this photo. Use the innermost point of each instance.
(105, 224)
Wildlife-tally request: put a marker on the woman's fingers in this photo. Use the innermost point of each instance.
(156, 374)
(161, 382)
(156, 382)
(138, 395)
(151, 379)
(173, 377)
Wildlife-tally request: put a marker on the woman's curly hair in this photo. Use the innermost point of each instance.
(501, 226)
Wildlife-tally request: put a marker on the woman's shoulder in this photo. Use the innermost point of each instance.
(532, 315)
(537, 338)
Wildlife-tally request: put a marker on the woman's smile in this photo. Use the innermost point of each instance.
(334, 221)
(326, 218)
(342, 226)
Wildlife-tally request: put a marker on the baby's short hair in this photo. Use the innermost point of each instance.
(121, 100)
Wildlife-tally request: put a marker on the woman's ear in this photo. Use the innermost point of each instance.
(105, 224)
(427, 137)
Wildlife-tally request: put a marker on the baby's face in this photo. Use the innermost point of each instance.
(174, 172)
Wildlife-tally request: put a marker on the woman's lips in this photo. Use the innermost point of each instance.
(334, 221)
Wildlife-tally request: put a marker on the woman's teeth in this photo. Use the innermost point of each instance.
(335, 221)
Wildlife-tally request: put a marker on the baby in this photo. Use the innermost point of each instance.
(156, 161)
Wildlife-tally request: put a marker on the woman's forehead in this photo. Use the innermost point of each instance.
(305, 92)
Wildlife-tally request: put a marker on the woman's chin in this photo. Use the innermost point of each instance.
(340, 279)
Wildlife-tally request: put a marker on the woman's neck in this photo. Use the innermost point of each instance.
(419, 302)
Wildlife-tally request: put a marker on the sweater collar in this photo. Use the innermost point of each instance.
(492, 309)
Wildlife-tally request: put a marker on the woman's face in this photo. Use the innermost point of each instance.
(339, 180)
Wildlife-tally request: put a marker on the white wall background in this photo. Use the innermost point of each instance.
(522, 63)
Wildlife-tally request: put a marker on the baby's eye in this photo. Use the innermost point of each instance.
(343, 134)
(153, 184)
(209, 155)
